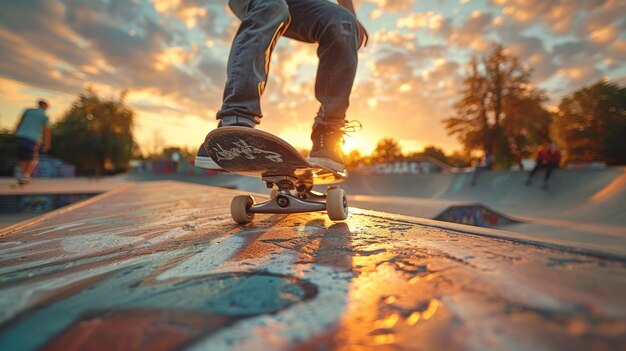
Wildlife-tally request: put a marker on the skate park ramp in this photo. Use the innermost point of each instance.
(161, 266)
(461, 212)
(587, 195)
(474, 214)
(580, 208)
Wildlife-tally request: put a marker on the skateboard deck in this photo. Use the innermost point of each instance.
(256, 153)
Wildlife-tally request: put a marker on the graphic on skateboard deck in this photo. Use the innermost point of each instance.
(291, 177)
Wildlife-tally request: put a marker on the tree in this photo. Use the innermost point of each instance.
(435, 152)
(499, 111)
(592, 123)
(387, 150)
(354, 158)
(8, 149)
(8, 146)
(470, 123)
(527, 124)
(95, 134)
(459, 159)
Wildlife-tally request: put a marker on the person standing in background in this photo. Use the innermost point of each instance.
(484, 164)
(548, 157)
(31, 132)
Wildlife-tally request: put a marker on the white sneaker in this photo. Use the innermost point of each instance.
(203, 160)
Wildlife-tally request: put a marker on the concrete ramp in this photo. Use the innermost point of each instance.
(442, 210)
(160, 265)
(596, 196)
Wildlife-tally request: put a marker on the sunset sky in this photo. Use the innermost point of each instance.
(171, 54)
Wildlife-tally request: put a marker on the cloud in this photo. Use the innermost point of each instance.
(391, 66)
(420, 20)
(471, 34)
(22, 63)
(557, 15)
(395, 38)
(171, 56)
(532, 53)
(592, 18)
(213, 69)
(389, 6)
(213, 18)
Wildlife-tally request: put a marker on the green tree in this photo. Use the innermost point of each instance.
(387, 150)
(95, 134)
(8, 146)
(592, 123)
(8, 149)
(499, 110)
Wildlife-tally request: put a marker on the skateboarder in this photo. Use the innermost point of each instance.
(32, 126)
(484, 164)
(339, 35)
(548, 157)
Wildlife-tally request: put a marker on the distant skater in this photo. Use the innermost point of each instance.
(32, 128)
(484, 164)
(548, 157)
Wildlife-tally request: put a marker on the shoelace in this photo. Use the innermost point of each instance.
(351, 127)
(348, 128)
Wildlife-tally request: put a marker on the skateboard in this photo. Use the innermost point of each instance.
(19, 184)
(291, 177)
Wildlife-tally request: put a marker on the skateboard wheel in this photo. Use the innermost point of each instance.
(239, 209)
(337, 204)
(282, 201)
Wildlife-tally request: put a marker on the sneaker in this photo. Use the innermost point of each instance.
(327, 142)
(24, 181)
(203, 160)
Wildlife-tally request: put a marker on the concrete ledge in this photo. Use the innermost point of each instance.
(73, 185)
(161, 265)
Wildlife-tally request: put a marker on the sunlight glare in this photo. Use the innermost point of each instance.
(360, 143)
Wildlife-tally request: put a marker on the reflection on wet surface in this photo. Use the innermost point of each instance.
(183, 276)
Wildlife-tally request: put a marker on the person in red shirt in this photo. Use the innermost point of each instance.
(548, 157)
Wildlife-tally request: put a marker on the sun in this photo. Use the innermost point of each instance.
(299, 136)
(360, 143)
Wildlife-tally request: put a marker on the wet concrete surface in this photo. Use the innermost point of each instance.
(161, 266)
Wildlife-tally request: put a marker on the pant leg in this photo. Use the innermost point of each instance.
(475, 174)
(335, 29)
(549, 169)
(535, 169)
(262, 24)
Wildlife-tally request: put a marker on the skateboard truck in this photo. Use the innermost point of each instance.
(282, 201)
